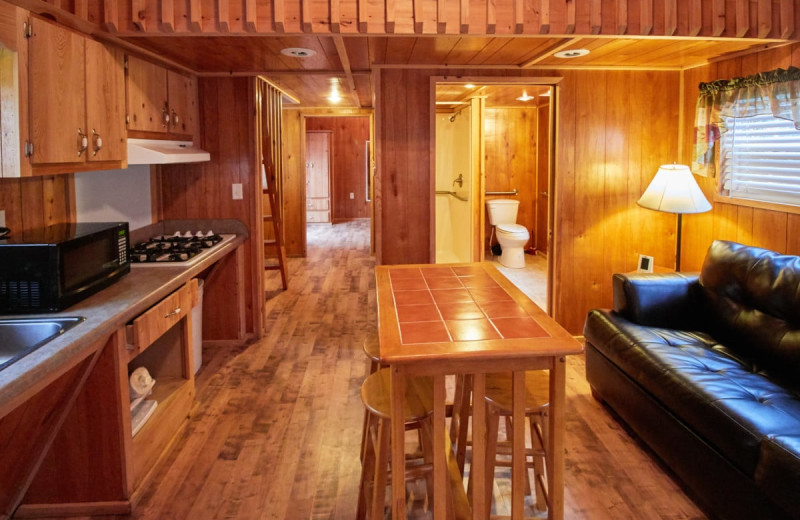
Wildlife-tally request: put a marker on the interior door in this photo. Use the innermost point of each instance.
(318, 176)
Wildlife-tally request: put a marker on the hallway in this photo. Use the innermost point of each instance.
(276, 428)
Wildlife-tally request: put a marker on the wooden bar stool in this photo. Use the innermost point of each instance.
(372, 348)
(375, 453)
(499, 404)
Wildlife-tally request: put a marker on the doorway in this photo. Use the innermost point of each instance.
(514, 124)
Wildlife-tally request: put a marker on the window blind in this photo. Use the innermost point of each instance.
(760, 160)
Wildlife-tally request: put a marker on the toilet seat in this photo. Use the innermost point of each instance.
(511, 229)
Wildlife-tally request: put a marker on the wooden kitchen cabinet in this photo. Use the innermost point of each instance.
(76, 89)
(98, 463)
(162, 104)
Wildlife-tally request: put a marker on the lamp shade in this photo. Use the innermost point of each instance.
(674, 190)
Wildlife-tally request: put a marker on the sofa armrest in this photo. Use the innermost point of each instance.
(658, 300)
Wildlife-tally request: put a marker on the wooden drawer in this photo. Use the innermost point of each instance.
(317, 204)
(145, 329)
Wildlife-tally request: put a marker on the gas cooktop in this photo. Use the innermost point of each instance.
(176, 250)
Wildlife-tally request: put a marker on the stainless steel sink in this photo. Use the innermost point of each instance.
(22, 336)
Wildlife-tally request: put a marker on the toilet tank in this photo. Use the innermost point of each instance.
(502, 211)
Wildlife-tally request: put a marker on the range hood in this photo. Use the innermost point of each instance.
(152, 151)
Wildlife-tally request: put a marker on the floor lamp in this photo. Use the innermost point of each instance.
(674, 190)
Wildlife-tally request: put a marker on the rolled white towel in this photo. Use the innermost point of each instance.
(141, 383)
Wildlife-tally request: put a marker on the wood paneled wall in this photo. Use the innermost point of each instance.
(511, 160)
(349, 164)
(613, 129)
(776, 230)
(634, 17)
(203, 191)
(35, 202)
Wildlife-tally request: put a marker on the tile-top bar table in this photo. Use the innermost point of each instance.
(436, 320)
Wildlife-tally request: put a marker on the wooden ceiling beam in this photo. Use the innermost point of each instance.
(250, 16)
(544, 16)
(223, 8)
(278, 15)
(336, 16)
(464, 16)
(195, 16)
(670, 17)
(341, 50)
(167, 16)
(110, 16)
(363, 17)
(718, 17)
(645, 18)
(695, 17)
(742, 17)
(787, 18)
(139, 13)
(390, 18)
(596, 16)
(764, 18)
(622, 17)
(419, 17)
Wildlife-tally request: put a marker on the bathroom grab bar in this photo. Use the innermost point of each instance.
(513, 192)
(454, 194)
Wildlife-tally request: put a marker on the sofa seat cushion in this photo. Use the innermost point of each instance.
(715, 392)
(778, 472)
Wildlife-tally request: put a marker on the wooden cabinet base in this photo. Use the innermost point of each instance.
(122, 507)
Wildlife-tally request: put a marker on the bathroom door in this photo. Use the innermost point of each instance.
(318, 176)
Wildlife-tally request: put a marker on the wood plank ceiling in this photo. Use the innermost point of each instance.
(351, 38)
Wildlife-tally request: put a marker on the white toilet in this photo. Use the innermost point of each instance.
(511, 236)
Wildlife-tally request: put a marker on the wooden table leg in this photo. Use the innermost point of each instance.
(478, 466)
(440, 482)
(555, 448)
(518, 468)
(398, 390)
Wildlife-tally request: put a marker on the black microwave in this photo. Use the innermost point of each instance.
(48, 269)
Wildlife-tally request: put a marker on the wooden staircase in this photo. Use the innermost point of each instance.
(275, 245)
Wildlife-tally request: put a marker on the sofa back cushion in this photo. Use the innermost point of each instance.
(751, 299)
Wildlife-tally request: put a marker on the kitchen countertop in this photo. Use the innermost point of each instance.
(106, 312)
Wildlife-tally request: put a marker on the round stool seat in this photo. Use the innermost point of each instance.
(377, 398)
(499, 390)
(372, 348)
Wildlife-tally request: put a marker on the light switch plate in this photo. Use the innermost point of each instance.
(237, 191)
(352, 195)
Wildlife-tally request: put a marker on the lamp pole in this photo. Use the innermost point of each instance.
(678, 248)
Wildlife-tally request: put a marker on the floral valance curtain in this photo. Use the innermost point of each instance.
(776, 92)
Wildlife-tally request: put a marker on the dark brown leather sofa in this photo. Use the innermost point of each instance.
(706, 371)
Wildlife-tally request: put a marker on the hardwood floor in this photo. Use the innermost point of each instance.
(277, 427)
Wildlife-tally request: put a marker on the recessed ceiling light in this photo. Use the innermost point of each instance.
(573, 53)
(469, 85)
(298, 52)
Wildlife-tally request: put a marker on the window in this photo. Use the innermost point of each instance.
(760, 160)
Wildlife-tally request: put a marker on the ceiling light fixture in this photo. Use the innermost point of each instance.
(298, 52)
(525, 97)
(469, 85)
(335, 95)
(573, 53)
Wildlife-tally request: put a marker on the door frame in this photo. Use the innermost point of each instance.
(552, 221)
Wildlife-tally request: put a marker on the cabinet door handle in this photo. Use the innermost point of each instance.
(165, 117)
(175, 119)
(97, 140)
(83, 142)
(173, 313)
